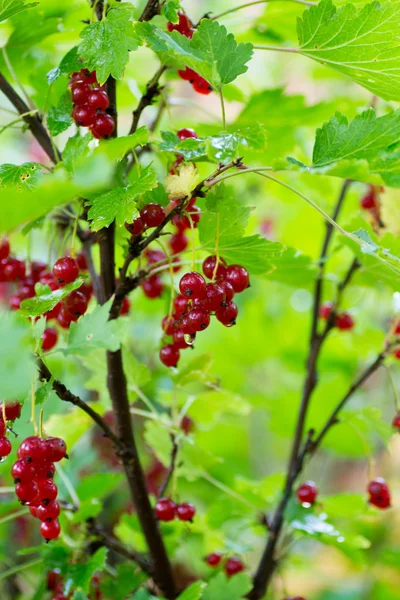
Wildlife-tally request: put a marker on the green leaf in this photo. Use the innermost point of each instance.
(292, 268)
(76, 148)
(193, 592)
(106, 44)
(16, 358)
(59, 117)
(69, 64)
(120, 203)
(116, 148)
(159, 440)
(80, 575)
(45, 300)
(125, 582)
(363, 45)
(221, 588)
(8, 8)
(94, 330)
(26, 175)
(170, 10)
(43, 393)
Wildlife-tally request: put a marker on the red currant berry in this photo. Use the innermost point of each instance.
(233, 566)
(98, 99)
(192, 285)
(5, 447)
(33, 511)
(125, 306)
(199, 318)
(183, 222)
(49, 339)
(54, 579)
(64, 318)
(49, 512)
(22, 471)
(80, 93)
(152, 215)
(396, 421)
(179, 340)
(180, 304)
(369, 201)
(209, 267)
(344, 322)
(155, 256)
(201, 86)
(227, 314)
(14, 269)
(186, 326)
(215, 297)
(84, 116)
(187, 425)
(169, 355)
(50, 531)
(214, 559)
(27, 491)
(50, 280)
(187, 75)
(165, 509)
(32, 449)
(28, 289)
(55, 449)
(88, 76)
(168, 324)
(2, 426)
(4, 249)
(396, 354)
(12, 410)
(76, 303)
(36, 270)
(153, 287)
(184, 26)
(238, 277)
(44, 470)
(307, 493)
(178, 243)
(66, 270)
(325, 311)
(14, 301)
(379, 494)
(47, 491)
(184, 134)
(136, 227)
(185, 511)
(103, 126)
(82, 262)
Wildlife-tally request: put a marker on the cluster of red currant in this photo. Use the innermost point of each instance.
(151, 215)
(185, 27)
(11, 411)
(55, 585)
(167, 510)
(33, 474)
(343, 321)
(90, 103)
(378, 491)
(198, 300)
(232, 566)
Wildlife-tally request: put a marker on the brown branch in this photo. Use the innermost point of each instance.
(153, 89)
(151, 9)
(33, 121)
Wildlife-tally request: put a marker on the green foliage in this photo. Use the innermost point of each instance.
(15, 373)
(94, 330)
(45, 299)
(8, 8)
(25, 175)
(59, 117)
(221, 588)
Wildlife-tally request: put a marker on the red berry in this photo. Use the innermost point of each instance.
(84, 116)
(184, 26)
(47, 491)
(168, 324)
(179, 340)
(98, 99)
(33, 511)
(169, 355)
(37, 268)
(27, 491)
(379, 494)
(180, 304)
(125, 306)
(307, 493)
(4, 249)
(80, 93)
(325, 311)
(28, 289)
(201, 86)
(2, 426)
(185, 511)
(33, 449)
(54, 312)
(44, 470)
(192, 285)
(227, 314)
(88, 76)
(12, 410)
(55, 449)
(152, 215)
(183, 222)
(396, 421)
(153, 287)
(103, 126)
(49, 339)
(76, 303)
(178, 243)
(369, 201)
(14, 301)
(199, 318)
(49, 512)
(186, 326)
(54, 579)
(50, 280)
(14, 269)
(187, 425)
(187, 75)
(82, 262)
(155, 256)
(396, 354)
(136, 227)
(344, 321)
(215, 297)
(64, 318)
(66, 270)
(165, 509)
(22, 471)
(5, 447)
(238, 277)
(209, 267)
(233, 566)
(214, 559)
(184, 134)
(50, 531)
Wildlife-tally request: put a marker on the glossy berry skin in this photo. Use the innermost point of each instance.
(227, 314)
(168, 325)
(307, 493)
(228, 290)
(44, 470)
(49, 339)
(49, 512)
(325, 311)
(13, 410)
(238, 277)
(14, 269)
(179, 340)
(379, 494)
(125, 306)
(76, 303)
(209, 267)
(185, 511)
(153, 287)
(82, 262)
(186, 326)
(54, 579)
(199, 318)
(215, 297)
(27, 491)
(4, 249)
(233, 566)
(2, 426)
(84, 116)
(165, 510)
(214, 559)
(80, 93)
(178, 243)
(98, 99)
(344, 322)
(201, 86)
(88, 76)
(22, 471)
(32, 449)
(66, 270)
(396, 422)
(5, 447)
(64, 318)
(47, 492)
(55, 449)
(152, 215)
(103, 126)
(180, 304)
(169, 355)
(184, 134)
(136, 227)
(50, 531)
(50, 280)
(192, 285)
(187, 74)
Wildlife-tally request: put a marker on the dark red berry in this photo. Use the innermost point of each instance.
(178, 243)
(54, 579)
(187, 75)
(50, 531)
(44, 470)
(325, 311)
(47, 491)
(185, 511)
(4, 249)
(33, 511)
(54, 312)
(84, 116)
(379, 494)
(88, 76)
(76, 303)
(103, 126)
(179, 340)
(169, 355)
(180, 304)
(168, 324)
(49, 512)
(184, 26)
(55, 449)
(184, 134)
(307, 493)
(187, 425)
(82, 262)
(12, 410)
(227, 314)
(369, 201)
(183, 222)
(396, 354)
(66, 270)
(26, 491)
(153, 287)
(80, 93)
(33, 449)
(50, 280)
(2, 426)
(14, 269)
(396, 421)
(238, 277)
(209, 267)
(125, 306)
(201, 86)
(64, 318)
(186, 326)
(5, 447)
(344, 321)
(165, 509)
(214, 559)
(215, 297)
(199, 318)
(136, 227)
(98, 99)
(152, 215)
(192, 285)
(233, 566)
(49, 339)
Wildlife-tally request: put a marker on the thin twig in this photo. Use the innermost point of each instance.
(171, 468)
(153, 89)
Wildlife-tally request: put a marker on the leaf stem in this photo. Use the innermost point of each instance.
(254, 3)
(275, 49)
(19, 568)
(221, 96)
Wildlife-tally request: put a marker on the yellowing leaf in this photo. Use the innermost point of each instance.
(181, 185)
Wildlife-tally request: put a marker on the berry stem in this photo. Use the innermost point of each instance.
(171, 469)
(33, 407)
(216, 247)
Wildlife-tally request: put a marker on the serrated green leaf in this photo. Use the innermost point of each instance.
(116, 148)
(42, 393)
(363, 45)
(106, 44)
(221, 588)
(26, 175)
(123, 584)
(76, 148)
(45, 300)
(80, 575)
(59, 117)
(193, 592)
(94, 330)
(8, 8)
(170, 10)
(69, 64)
(120, 203)
(16, 358)
(292, 268)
